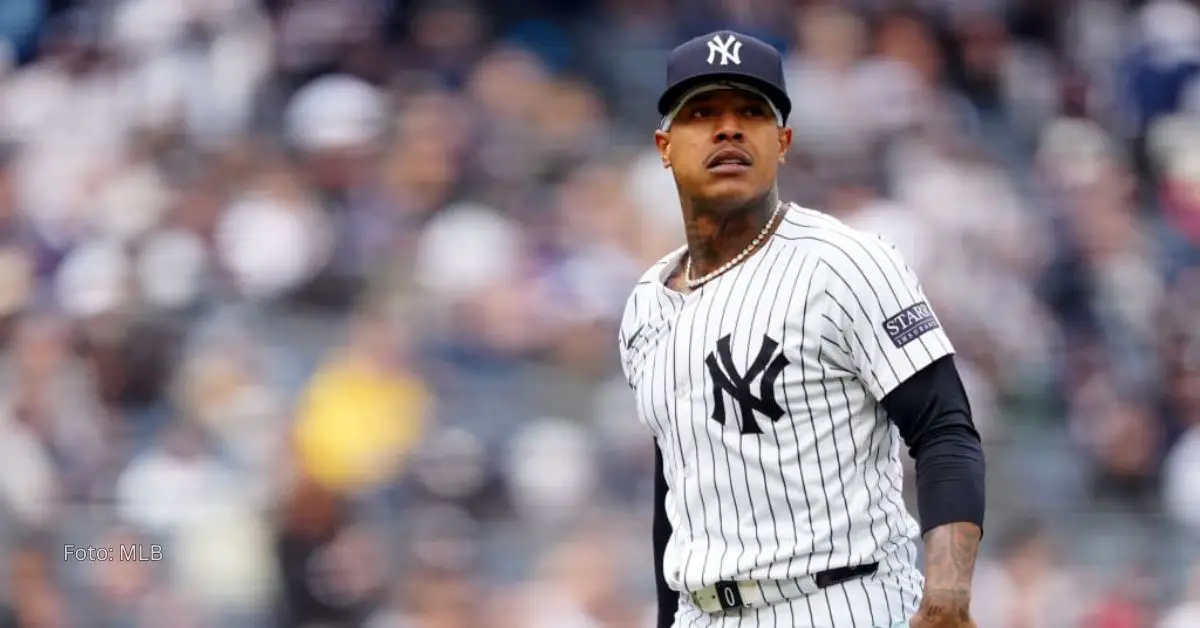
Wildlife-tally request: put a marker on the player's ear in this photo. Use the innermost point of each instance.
(663, 142)
(785, 142)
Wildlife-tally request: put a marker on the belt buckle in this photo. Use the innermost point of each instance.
(706, 600)
(728, 594)
(721, 597)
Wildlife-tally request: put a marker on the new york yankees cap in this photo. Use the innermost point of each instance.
(724, 59)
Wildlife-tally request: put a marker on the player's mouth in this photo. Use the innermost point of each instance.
(729, 161)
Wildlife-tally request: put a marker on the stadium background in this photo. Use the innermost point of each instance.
(319, 295)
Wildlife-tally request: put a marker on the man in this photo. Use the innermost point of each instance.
(778, 359)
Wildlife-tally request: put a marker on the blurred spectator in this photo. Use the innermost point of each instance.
(55, 436)
(625, 48)
(1166, 57)
(829, 89)
(315, 548)
(336, 123)
(1125, 605)
(578, 586)
(447, 40)
(35, 598)
(273, 240)
(1182, 493)
(128, 592)
(1187, 613)
(1026, 587)
(179, 482)
(552, 471)
(435, 598)
(19, 23)
(363, 413)
(223, 387)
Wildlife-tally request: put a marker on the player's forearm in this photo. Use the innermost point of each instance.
(950, 496)
(934, 417)
(950, 552)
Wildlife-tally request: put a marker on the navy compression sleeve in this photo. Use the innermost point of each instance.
(933, 415)
(668, 599)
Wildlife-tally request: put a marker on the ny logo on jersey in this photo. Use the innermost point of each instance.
(730, 50)
(768, 365)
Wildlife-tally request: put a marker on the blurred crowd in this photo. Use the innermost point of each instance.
(319, 296)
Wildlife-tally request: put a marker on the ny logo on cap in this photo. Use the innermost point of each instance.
(730, 50)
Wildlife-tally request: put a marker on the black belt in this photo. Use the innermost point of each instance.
(839, 575)
(728, 593)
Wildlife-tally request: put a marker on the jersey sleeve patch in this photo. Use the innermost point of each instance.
(911, 323)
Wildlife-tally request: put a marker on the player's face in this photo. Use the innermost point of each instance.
(724, 147)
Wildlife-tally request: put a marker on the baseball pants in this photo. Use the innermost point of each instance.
(880, 600)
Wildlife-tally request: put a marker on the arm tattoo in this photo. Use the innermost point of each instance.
(950, 552)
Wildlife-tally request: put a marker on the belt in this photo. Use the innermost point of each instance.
(728, 595)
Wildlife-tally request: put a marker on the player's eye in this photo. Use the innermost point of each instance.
(699, 113)
(754, 111)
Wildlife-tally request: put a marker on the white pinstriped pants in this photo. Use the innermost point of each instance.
(879, 600)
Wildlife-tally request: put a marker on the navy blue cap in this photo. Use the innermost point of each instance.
(725, 56)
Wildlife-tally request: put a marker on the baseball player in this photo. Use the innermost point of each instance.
(779, 358)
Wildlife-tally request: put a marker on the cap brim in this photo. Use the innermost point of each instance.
(671, 96)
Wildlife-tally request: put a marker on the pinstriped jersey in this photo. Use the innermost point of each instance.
(762, 390)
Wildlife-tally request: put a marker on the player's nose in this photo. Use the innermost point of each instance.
(729, 129)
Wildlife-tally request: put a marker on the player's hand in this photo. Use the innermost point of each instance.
(924, 620)
(942, 614)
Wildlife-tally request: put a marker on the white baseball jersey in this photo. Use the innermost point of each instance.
(762, 389)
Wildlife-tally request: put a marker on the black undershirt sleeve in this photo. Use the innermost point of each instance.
(668, 599)
(933, 415)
